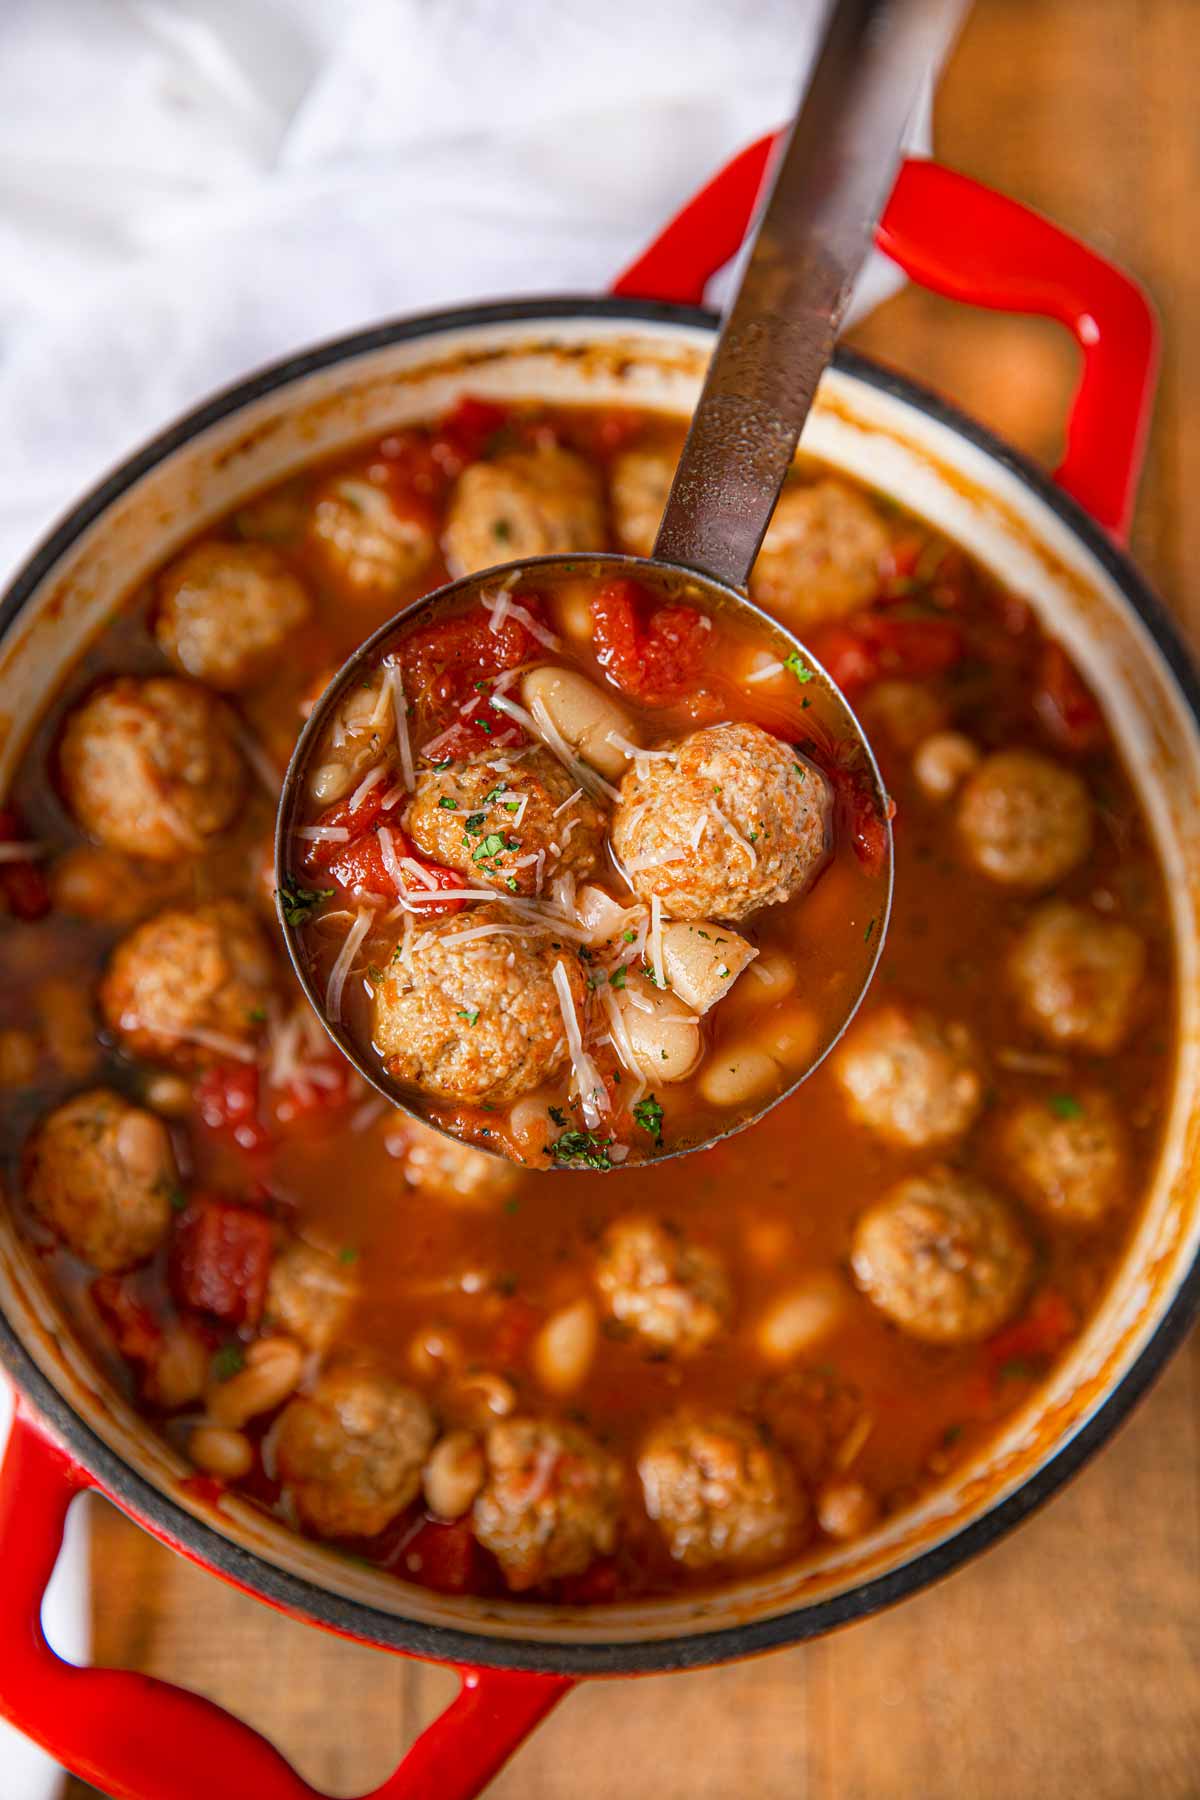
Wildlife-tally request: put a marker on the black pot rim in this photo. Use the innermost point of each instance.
(172, 1522)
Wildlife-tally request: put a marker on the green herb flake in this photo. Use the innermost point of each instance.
(501, 530)
(475, 822)
(868, 931)
(511, 883)
(582, 1149)
(176, 1198)
(558, 1115)
(374, 972)
(649, 1115)
(257, 1015)
(298, 904)
(492, 845)
(1065, 1106)
(512, 1206)
(348, 1255)
(797, 667)
(444, 764)
(471, 1015)
(512, 805)
(801, 771)
(630, 937)
(447, 804)
(229, 1360)
(618, 978)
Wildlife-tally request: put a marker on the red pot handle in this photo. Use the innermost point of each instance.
(969, 243)
(137, 1738)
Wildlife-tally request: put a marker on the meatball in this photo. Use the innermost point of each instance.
(942, 1257)
(368, 549)
(475, 1020)
(1077, 977)
(101, 1173)
(512, 829)
(525, 503)
(673, 1294)
(822, 555)
(718, 1491)
(309, 1294)
(1066, 1157)
(453, 1171)
(733, 821)
(638, 486)
(151, 766)
(909, 1077)
(548, 1506)
(905, 712)
(350, 1453)
(225, 611)
(1023, 820)
(190, 986)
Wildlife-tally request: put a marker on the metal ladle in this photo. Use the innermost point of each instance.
(815, 232)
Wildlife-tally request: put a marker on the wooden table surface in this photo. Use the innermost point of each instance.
(1067, 1660)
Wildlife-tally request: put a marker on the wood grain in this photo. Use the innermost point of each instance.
(1067, 1660)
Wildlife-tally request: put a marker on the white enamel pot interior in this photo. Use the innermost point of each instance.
(876, 427)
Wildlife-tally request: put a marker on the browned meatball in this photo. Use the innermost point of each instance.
(225, 611)
(548, 1506)
(525, 503)
(672, 1293)
(1078, 977)
(638, 485)
(718, 1491)
(191, 985)
(152, 766)
(475, 1018)
(732, 822)
(823, 553)
(351, 1452)
(101, 1173)
(512, 829)
(369, 550)
(909, 1077)
(1066, 1155)
(450, 1170)
(942, 1257)
(309, 1294)
(1023, 820)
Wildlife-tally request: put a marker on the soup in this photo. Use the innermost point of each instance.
(559, 821)
(476, 1376)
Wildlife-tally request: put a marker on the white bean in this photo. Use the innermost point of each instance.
(143, 1146)
(18, 1057)
(565, 1347)
(180, 1369)
(702, 961)
(846, 1509)
(738, 1074)
(227, 1454)
(271, 1375)
(584, 714)
(803, 1317)
(531, 1126)
(791, 1036)
(481, 1398)
(454, 1474)
(942, 763)
(771, 978)
(666, 1041)
(573, 613)
(171, 1094)
(433, 1352)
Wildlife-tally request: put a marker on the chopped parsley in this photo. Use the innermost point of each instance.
(470, 1014)
(618, 977)
(444, 764)
(176, 1198)
(868, 931)
(298, 904)
(448, 804)
(629, 936)
(257, 1015)
(511, 805)
(229, 1360)
(501, 530)
(511, 883)
(798, 668)
(801, 771)
(348, 1255)
(1065, 1106)
(492, 845)
(558, 1115)
(582, 1148)
(649, 1115)
(374, 972)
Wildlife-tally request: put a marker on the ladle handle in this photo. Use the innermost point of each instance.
(816, 229)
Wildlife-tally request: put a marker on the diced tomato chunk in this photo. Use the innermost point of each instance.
(22, 883)
(511, 1339)
(871, 645)
(341, 816)
(656, 655)
(136, 1333)
(360, 868)
(1065, 706)
(444, 1557)
(220, 1259)
(1046, 1325)
(442, 663)
(227, 1097)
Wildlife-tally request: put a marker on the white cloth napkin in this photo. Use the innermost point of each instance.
(192, 187)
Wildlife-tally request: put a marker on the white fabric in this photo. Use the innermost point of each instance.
(192, 187)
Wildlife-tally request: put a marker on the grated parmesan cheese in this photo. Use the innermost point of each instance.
(400, 706)
(370, 780)
(341, 968)
(506, 607)
(323, 834)
(728, 826)
(593, 1096)
(656, 943)
(765, 672)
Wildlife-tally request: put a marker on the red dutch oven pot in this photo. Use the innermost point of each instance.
(1057, 542)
